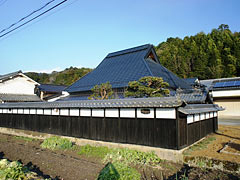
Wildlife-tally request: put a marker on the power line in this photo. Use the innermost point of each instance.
(27, 16)
(3, 2)
(33, 18)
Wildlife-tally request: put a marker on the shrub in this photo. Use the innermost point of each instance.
(55, 142)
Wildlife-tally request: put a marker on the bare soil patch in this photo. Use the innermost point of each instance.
(68, 165)
(228, 139)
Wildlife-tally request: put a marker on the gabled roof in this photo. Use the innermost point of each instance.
(6, 77)
(51, 88)
(121, 67)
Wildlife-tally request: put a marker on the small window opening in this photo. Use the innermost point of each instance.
(145, 111)
(151, 56)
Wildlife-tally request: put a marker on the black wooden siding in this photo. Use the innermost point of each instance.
(164, 133)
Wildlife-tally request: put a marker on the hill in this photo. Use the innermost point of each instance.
(206, 56)
(65, 77)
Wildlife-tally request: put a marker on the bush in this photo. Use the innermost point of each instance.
(55, 142)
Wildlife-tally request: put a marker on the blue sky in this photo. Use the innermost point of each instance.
(81, 33)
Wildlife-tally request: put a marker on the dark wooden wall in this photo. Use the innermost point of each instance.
(150, 132)
(164, 133)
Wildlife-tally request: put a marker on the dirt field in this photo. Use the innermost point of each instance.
(225, 147)
(68, 165)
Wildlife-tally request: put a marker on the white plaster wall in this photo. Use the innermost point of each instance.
(111, 112)
(17, 85)
(141, 115)
(166, 113)
(97, 113)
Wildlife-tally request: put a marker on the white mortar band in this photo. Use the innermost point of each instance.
(20, 111)
(64, 112)
(85, 112)
(196, 117)
(55, 112)
(47, 112)
(32, 111)
(39, 111)
(111, 113)
(15, 111)
(74, 112)
(166, 113)
(189, 119)
(1, 110)
(127, 112)
(97, 112)
(26, 111)
(145, 113)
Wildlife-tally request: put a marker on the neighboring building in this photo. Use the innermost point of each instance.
(17, 87)
(49, 92)
(119, 68)
(225, 93)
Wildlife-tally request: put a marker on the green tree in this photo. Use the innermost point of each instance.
(147, 86)
(102, 91)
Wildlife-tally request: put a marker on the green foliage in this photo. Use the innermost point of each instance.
(118, 171)
(14, 170)
(102, 91)
(206, 56)
(24, 138)
(55, 142)
(66, 77)
(95, 151)
(147, 87)
(133, 157)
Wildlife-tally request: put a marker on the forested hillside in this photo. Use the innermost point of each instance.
(66, 77)
(206, 56)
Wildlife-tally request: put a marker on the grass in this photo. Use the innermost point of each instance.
(55, 143)
(200, 145)
(24, 138)
(133, 157)
(119, 161)
(94, 151)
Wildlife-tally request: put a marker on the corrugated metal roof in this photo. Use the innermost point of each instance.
(19, 98)
(112, 103)
(51, 88)
(121, 67)
(199, 108)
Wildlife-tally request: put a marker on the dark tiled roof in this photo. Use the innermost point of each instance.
(193, 96)
(51, 88)
(6, 76)
(192, 80)
(162, 102)
(199, 108)
(19, 98)
(121, 67)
